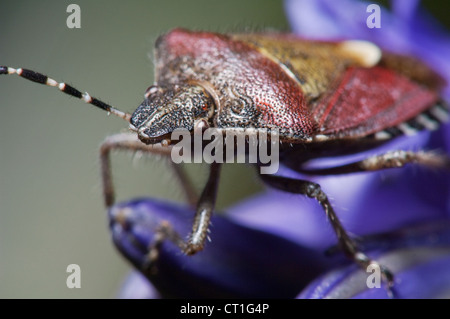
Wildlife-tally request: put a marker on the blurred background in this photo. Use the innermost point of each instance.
(51, 205)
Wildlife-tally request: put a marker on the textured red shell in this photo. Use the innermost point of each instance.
(303, 88)
(366, 101)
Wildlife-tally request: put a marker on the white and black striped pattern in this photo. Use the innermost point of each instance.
(428, 120)
(63, 87)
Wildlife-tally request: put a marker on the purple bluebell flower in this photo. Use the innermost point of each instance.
(273, 244)
(234, 264)
(419, 256)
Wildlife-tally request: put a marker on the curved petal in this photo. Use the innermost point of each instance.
(420, 258)
(239, 263)
(136, 286)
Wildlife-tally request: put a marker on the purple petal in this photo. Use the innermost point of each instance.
(136, 286)
(239, 262)
(419, 257)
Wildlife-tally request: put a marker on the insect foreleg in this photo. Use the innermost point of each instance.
(129, 142)
(204, 212)
(205, 205)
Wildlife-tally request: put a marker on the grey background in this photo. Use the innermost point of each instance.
(51, 208)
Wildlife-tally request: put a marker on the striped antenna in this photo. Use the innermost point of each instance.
(63, 87)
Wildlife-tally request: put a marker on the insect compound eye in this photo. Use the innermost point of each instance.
(151, 90)
(237, 106)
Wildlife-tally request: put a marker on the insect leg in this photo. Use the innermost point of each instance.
(314, 190)
(205, 205)
(205, 208)
(392, 159)
(163, 230)
(129, 142)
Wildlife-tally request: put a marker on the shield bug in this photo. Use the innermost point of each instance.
(322, 98)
